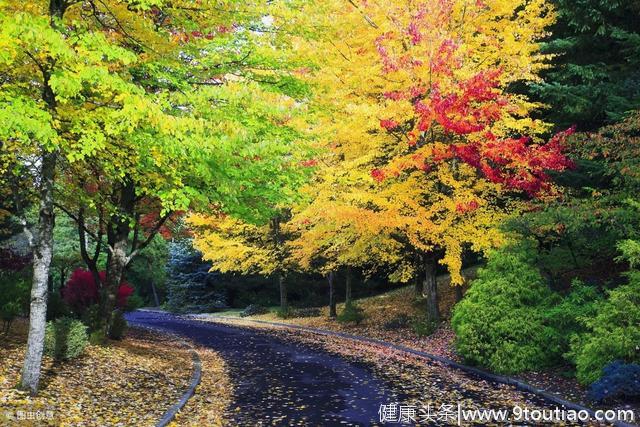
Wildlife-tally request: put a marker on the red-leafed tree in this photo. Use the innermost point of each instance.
(81, 291)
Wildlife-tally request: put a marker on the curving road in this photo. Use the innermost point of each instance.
(283, 383)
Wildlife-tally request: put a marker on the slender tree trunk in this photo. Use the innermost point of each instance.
(284, 304)
(430, 288)
(348, 286)
(156, 300)
(42, 254)
(63, 277)
(43, 243)
(333, 312)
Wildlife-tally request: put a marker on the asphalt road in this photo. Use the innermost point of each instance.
(278, 382)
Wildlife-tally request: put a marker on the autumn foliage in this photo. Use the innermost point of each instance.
(81, 291)
(454, 108)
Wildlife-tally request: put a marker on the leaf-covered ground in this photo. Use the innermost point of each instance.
(130, 382)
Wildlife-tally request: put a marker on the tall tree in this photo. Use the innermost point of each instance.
(137, 102)
(425, 112)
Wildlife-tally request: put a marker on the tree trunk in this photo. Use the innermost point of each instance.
(417, 285)
(42, 254)
(284, 304)
(348, 286)
(332, 296)
(156, 300)
(63, 277)
(430, 288)
(459, 294)
(117, 260)
(43, 243)
(116, 264)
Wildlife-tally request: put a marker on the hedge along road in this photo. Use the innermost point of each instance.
(280, 381)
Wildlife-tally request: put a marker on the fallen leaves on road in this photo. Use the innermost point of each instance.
(420, 381)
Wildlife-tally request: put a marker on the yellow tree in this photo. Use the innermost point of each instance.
(233, 245)
(422, 108)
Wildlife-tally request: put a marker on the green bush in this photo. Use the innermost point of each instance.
(613, 334)
(567, 317)
(92, 318)
(284, 313)
(351, 314)
(501, 323)
(134, 302)
(14, 296)
(98, 338)
(423, 327)
(65, 338)
(118, 326)
(8, 312)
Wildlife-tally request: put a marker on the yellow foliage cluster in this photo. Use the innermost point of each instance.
(350, 219)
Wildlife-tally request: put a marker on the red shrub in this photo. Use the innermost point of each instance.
(81, 291)
(124, 292)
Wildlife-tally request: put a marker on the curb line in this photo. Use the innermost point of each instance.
(485, 375)
(196, 376)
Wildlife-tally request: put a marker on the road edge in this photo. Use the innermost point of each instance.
(196, 377)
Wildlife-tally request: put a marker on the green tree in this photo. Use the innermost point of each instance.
(594, 78)
(146, 108)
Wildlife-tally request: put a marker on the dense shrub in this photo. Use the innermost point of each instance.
(81, 291)
(65, 338)
(92, 318)
(118, 326)
(423, 327)
(134, 302)
(98, 338)
(284, 313)
(13, 261)
(253, 310)
(618, 380)
(56, 307)
(613, 334)
(351, 314)
(14, 296)
(8, 312)
(567, 317)
(501, 323)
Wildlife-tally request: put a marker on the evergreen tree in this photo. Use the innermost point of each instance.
(594, 78)
(190, 285)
